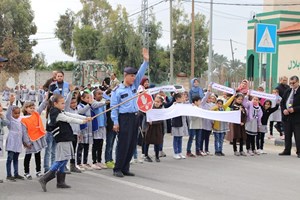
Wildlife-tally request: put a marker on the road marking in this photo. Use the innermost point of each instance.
(138, 186)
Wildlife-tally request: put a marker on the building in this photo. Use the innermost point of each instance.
(266, 68)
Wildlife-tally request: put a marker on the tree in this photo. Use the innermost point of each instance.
(39, 62)
(64, 66)
(182, 46)
(16, 22)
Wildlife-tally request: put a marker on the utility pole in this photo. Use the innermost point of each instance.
(210, 56)
(145, 28)
(193, 41)
(232, 53)
(171, 45)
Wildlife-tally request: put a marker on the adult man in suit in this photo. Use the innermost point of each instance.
(290, 106)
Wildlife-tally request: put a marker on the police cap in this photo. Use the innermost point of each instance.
(130, 70)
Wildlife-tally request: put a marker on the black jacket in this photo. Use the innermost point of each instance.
(282, 88)
(295, 116)
(62, 131)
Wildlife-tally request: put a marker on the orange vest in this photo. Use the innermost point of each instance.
(34, 126)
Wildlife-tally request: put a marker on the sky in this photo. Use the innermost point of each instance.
(229, 22)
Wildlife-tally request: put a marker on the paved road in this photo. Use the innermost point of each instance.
(267, 177)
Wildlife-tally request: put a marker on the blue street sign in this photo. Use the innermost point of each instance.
(266, 38)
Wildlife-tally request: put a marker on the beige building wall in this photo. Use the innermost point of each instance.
(274, 8)
(289, 60)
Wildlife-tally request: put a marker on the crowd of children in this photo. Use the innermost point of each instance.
(75, 123)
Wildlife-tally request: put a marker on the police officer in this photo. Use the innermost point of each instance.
(124, 116)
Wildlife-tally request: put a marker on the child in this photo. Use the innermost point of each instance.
(99, 130)
(24, 95)
(206, 123)
(243, 87)
(63, 135)
(18, 94)
(3, 122)
(267, 111)
(41, 94)
(71, 107)
(195, 130)
(254, 114)
(86, 103)
(154, 133)
(196, 90)
(14, 140)
(179, 129)
(33, 136)
(220, 128)
(6, 94)
(276, 117)
(31, 94)
(238, 130)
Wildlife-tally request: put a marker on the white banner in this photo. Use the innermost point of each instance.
(165, 88)
(177, 110)
(262, 95)
(223, 88)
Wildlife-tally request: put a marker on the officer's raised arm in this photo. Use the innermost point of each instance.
(143, 68)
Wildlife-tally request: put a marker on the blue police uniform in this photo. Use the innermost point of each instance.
(125, 117)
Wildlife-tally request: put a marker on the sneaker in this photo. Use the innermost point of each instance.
(270, 137)
(95, 166)
(110, 165)
(208, 153)
(257, 152)
(190, 155)
(202, 153)
(102, 165)
(242, 153)
(237, 153)
(157, 159)
(81, 167)
(222, 154)
(28, 176)
(176, 157)
(19, 177)
(262, 152)
(39, 174)
(11, 178)
(87, 167)
(148, 159)
(162, 154)
(250, 153)
(181, 156)
(282, 137)
(1, 181)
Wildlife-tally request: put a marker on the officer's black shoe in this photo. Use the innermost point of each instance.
(128, 174)
(298, 155)
(118, 174)
(284, 153)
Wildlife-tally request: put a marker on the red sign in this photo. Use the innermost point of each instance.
(145, 102)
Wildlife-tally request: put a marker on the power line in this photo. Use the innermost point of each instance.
(245, 4)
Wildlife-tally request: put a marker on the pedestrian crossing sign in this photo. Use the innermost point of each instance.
(266, 38)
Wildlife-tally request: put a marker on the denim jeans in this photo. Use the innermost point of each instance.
(12, 157)
(177, 144)
(59, 166)
(49, 151)
(204, 139)
(219, 139)
(193, 133)
(110, 139)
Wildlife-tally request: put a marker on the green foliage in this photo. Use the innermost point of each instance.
(64, 66)
(16, 22)
(39, 62)
(182, 46)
